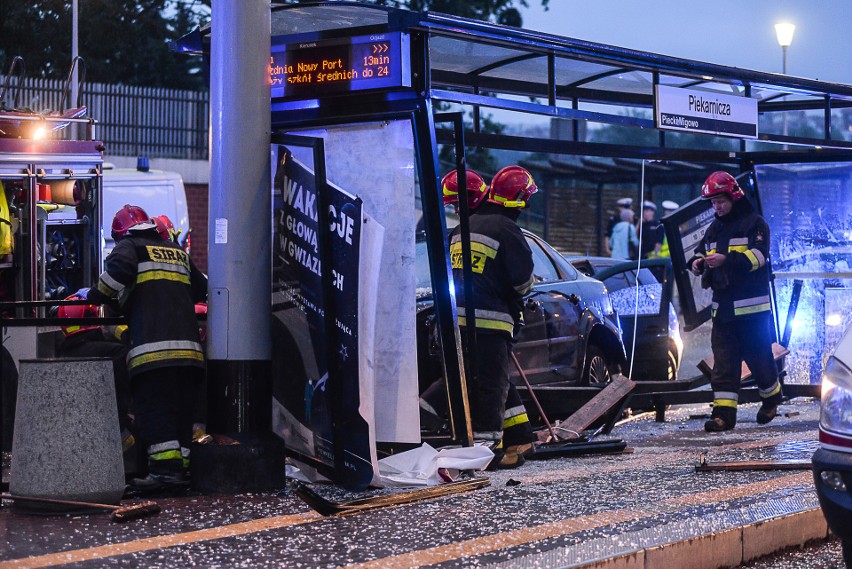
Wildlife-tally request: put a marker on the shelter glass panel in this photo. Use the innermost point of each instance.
(809, 211)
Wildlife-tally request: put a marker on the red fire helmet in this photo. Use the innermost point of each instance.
(165, 227)
(512, 187)
(77, 311)
(125, 218)
(477, 189)
(721, 183)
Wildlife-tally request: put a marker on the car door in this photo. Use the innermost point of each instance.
(547, 344)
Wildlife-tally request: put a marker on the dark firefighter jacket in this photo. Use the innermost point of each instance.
(741, 285)
(502, 268)
(156, 285)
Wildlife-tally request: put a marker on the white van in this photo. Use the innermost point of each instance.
(155, 191)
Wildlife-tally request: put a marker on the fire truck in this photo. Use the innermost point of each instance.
(50, 212)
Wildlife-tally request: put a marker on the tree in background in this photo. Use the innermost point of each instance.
(121, 41)
(126, 41)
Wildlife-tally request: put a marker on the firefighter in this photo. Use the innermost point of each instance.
(167, 231)
(166, 228)
(157, 285)
(502, 271)
(517, 430)
(732, 259)
(93, 341)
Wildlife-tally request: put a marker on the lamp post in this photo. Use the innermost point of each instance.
(784, 32)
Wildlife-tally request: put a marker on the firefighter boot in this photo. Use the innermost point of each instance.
(768, 409)
(166, 472)
(496, 447)
(162, 480)
(516, 455)
(722, 419)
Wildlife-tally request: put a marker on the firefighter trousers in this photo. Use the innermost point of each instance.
(164, 402)
(749, 340)
(488, 386)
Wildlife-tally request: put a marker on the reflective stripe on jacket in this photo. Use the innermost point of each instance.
(502, 270)
(741, 285)
(157, 285)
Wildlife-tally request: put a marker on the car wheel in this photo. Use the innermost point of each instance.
(597, 369)
(671, 366)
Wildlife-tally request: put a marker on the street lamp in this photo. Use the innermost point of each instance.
(784, 33)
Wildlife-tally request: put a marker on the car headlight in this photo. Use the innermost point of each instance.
(606, 305)
(836, 401)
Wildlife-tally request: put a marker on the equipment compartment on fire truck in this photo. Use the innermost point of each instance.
(51, 193)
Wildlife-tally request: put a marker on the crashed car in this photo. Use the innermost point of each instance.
(832, 462)
(570, 336)
(659, 346)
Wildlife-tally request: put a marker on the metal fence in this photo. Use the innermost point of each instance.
(133, 121)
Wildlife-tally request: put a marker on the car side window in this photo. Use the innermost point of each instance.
(543, 268)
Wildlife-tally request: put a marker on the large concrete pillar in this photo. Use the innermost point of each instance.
(239, 219)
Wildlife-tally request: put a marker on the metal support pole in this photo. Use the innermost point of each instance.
(784, 71)
(240, 280)
(75, 51)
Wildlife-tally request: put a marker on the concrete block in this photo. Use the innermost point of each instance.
(792, 530)
(67, 443)
(721, 549)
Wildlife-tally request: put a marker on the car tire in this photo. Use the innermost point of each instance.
(671, 366)
(597, 371)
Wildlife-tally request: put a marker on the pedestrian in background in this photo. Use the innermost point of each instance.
(668, 208)
(621, 204)
(651, 231)
(624, 239)
(157, 285)
(732, 260)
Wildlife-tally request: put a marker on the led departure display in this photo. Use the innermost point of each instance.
(317, 68)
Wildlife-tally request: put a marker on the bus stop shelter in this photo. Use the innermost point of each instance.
(380, 102)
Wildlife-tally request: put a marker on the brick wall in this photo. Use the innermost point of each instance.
(197, 198)
(572, 217)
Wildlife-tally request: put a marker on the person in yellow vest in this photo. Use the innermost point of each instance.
(668, 207)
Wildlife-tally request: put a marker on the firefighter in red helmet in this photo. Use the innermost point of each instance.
(477, 189)
(166, 228)
(516, 433)
(732, 260)
(502, 272)
(92, 340)
(156, 285)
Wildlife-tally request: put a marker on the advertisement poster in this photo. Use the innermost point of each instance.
(316, 383)
(684, 230)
